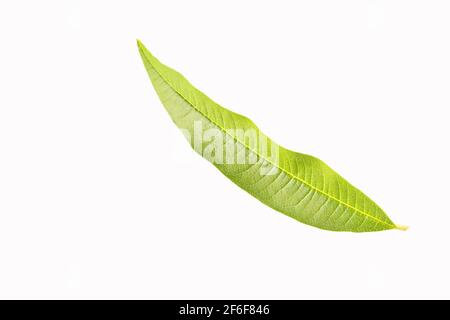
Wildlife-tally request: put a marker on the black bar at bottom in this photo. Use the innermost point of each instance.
(220, 309)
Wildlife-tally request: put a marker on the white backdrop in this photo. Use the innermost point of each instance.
(100, 197)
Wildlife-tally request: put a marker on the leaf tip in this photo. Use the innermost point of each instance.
(139, 43)
(402, 228)
(143, 50)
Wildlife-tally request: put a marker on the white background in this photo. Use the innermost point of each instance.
(100, 196)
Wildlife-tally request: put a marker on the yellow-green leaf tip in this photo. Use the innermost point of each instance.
(402, 228)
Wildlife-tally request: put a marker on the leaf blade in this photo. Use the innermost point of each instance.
(304, 187)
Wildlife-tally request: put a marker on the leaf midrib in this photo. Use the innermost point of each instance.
(255, 152)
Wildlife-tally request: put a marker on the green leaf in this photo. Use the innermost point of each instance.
(298, 185)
